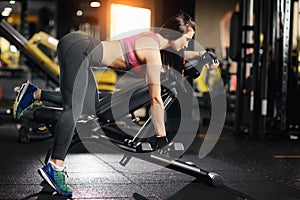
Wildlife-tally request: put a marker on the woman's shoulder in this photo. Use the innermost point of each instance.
(147, 42)
(148, 38)
(147, 33)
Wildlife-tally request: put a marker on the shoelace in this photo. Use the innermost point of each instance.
(65, 172)
(59, 178)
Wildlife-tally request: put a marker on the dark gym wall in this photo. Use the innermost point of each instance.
(171, 7)
(64, 18)
(207, 16)
(162, 9)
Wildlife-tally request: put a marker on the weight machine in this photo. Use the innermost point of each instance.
(267, 79)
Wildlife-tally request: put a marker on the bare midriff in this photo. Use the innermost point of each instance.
(113, 55)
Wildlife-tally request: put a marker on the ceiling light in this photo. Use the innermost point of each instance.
(95, 4)
(5, 13)
(79, 13)
(7, 9)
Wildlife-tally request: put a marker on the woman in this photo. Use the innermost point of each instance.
(77, 52)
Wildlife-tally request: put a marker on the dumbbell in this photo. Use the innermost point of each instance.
(140, 147)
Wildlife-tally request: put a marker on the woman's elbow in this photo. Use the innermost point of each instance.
(155, 99)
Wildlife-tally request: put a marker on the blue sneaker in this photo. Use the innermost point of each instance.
(24, 99)
(56, 179)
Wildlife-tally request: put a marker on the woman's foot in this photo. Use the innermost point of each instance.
(24, 99)
(56, 179)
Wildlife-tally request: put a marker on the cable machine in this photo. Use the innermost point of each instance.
(266, 95)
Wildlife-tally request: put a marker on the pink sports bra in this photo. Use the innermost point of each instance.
(128, 47)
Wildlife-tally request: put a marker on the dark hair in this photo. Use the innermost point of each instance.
(172, 29)
(176, 26)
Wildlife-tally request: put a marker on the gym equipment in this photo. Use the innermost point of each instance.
(265, 103)
(39, 62)
(103, 128)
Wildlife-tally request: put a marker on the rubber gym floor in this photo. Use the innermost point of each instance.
(265, 169)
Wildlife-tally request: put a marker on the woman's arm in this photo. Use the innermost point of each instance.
(151, 57)
(188, 55)
(157, 109)
(153, 62)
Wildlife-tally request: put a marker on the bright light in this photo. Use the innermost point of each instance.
(7, 9)
(127, 18)
(95, 4)
(79, 13)
(12, 2)
(5, 13)
(13, 49)
(52, 41)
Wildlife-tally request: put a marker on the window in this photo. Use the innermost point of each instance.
(128, 20)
